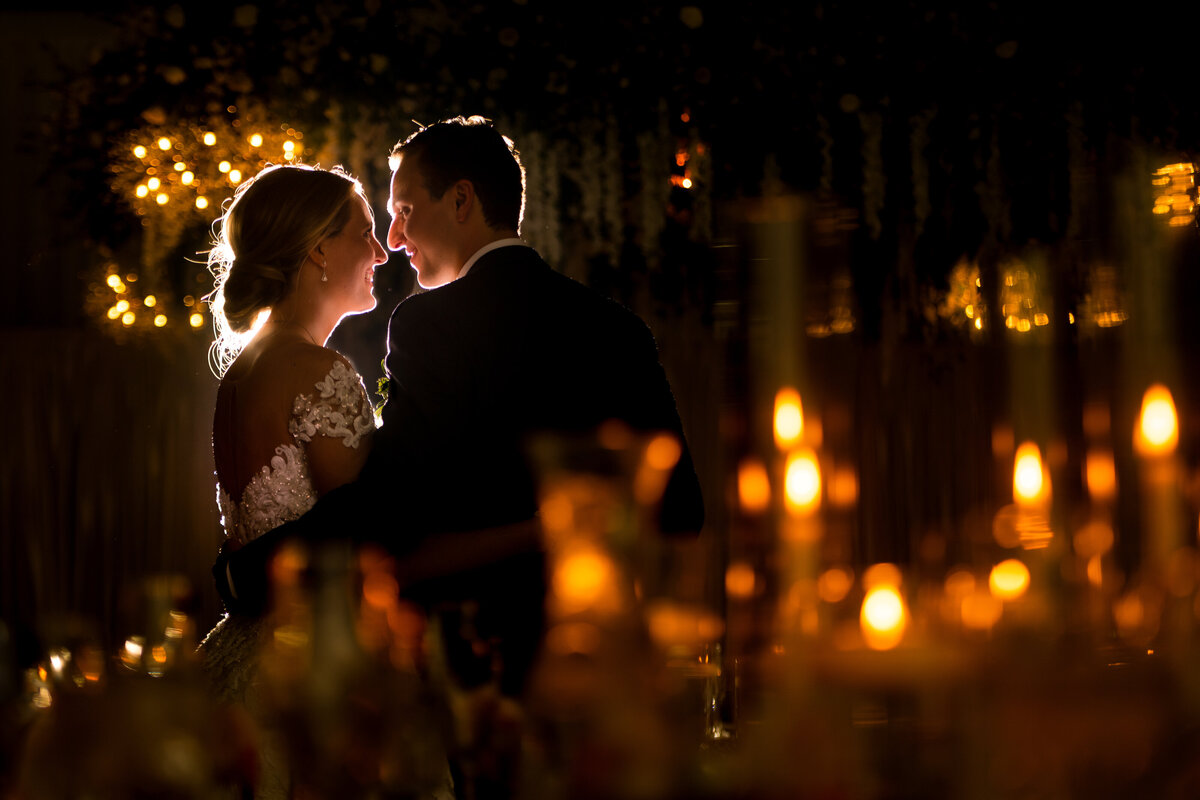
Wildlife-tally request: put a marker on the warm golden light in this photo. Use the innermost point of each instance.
(141, 190)
(162, 199)
(128, 318)
(210, 139)
(883, 618)
(754, 487)
(1029, 479)
(113, 312)
(256, 140)
(1009, 579)
(139, 151)
(202, 202)
(224, 167)
(153, 184)
(1094, 539)
(150, 301)
(180, 166)
(959, 583)
(289, 146)
(663, 452)
(114, 281)
(834, 584)
(740, 580)
(122, 306)
(802, 482)
(882, 574)
(843, 487)
(1175, 192)
(1158, 427)
(676, 624)
(196, 320)
(164, 143)
(235, 176)
(789, 418)
(288, 155)
(187, 178)
(1101, 473)
(659, 458)
(582, 578)
(980, 610)
(160, 320)
(133, 650)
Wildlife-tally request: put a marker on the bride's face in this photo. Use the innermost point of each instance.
(351, 257)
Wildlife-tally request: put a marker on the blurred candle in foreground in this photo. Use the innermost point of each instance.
(754, 487)
(1101, 475)
(789, 418)
(1158, 426)
(1155, 438)
(802, 482)
(883, 618)
(1031, 486)
(1009, 579)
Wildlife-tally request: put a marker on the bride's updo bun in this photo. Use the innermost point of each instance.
(275, 220)
(249, 288)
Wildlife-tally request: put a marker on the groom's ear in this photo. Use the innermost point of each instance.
(464, 199)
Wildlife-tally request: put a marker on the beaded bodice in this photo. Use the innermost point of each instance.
(283, 490)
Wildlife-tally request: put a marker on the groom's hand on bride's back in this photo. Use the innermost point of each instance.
(243, 573)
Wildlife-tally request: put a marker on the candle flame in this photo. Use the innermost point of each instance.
(789, 417)
(802, 482)
(1158, 425)
(883, 618)
(1030, 483)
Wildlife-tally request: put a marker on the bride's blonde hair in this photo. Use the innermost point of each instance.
(275, 220)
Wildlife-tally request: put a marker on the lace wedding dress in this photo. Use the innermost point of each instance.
(281, 491)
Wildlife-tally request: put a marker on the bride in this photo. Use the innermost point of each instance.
(292, 418)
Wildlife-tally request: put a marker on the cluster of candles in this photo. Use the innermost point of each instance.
(968, 599)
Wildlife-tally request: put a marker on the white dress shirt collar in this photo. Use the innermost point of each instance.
(487, 248)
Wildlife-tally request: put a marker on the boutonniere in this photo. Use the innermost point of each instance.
(381, 389)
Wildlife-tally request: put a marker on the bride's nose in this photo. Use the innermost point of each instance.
(381, 255)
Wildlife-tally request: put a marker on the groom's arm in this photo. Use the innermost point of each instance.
(243, 576)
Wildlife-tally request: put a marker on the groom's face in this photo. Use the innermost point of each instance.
(423, 227)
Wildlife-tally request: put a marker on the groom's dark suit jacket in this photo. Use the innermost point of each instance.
(479, 365)
(476, 368)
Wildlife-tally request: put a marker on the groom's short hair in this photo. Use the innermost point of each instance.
(470, 148)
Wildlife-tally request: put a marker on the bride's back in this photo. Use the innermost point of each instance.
(254, 404)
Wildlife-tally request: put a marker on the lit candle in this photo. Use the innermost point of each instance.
(1155, 438)
(789, 418)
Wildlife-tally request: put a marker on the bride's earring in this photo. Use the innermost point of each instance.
(324, 276)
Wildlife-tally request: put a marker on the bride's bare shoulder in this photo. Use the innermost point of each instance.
(288, 367)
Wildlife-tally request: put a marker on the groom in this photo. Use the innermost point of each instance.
(500, 349)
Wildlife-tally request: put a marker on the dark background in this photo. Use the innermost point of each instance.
(879, 143)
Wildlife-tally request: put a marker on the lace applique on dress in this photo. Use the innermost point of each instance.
(283, 490)
(340, 409)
